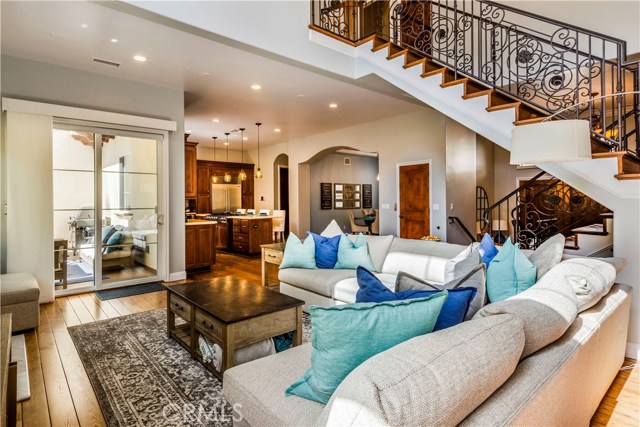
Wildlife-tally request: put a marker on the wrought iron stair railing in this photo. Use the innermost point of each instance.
(539, 209)
(546, 64)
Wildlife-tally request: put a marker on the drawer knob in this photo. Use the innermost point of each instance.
(271, 256)
(206, 325)
(177, 306)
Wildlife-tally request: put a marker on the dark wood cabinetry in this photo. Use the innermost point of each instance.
(248, 234)
(200, 245)
(190, 174)
(222, 240)
(206, 169)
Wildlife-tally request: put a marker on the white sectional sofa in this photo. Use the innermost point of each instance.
(532, 360)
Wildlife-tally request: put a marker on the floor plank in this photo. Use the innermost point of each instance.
(85, 402)
(61, 409)
(55, 366)
(35, 410)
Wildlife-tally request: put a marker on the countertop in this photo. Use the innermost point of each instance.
(249, 217)
(199, 222)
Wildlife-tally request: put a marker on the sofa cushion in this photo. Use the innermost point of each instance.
(378, 249)
(351, 255)
(547, 255)
(259, 386)
(298, 254)
(618, 263)
(431, 380)
(320, 281)
(590, 278)
(18, 288)
(509, 273)
(547, 309)
(453, 311)
(421, 258)
(326, 250)
(476, 278)
(344, 336)
(345, 290)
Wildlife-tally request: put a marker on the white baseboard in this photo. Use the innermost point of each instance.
(179, 275)
(633, 350)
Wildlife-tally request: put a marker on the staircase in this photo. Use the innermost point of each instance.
(490, 67)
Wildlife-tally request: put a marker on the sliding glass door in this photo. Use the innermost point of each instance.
(105, 208)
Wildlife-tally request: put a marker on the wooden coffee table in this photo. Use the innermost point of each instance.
(232, 313)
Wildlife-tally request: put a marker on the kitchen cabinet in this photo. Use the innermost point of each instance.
(222, 240)
(200, 244)
(248, 233)
(206, 169)
(190, 170)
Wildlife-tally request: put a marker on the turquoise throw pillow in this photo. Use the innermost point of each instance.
(114, 239)
(298, 254)
(509, 273)
(344, 336)
(353, 255)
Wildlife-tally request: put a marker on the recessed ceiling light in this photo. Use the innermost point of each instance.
(187, 131)
(333, 105)
(256, 87)
(216, 120)
(226, 143)
(139, 58)
(114, 40)
(84, 26)
(245, 138)
(301, 95)
(206, 74)
(276, 130)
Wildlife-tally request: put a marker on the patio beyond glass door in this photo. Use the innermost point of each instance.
(105, 217)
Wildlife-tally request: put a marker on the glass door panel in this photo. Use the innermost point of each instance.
(74, 213)
(129, 208)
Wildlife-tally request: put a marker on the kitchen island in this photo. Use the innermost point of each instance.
(248, 232)
(200, 243)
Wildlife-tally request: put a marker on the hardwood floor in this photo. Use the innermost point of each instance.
(61, 394)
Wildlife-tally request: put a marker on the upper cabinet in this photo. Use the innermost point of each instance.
(190, 170)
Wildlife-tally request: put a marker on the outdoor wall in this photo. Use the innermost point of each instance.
(331, 168)
(37, 81)
(461, 181)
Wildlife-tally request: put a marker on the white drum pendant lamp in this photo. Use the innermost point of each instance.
(552, 141)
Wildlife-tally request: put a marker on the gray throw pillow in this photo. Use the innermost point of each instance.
(463, 263)
(476, 278)
(547, 255)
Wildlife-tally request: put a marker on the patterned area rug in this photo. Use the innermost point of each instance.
(143, 378)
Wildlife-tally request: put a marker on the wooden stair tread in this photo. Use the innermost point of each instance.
(608, 155)
(455, 82)
(594, 230)
(366, 40)
(433, 72)
(529, 121)
(380, 46)
(394, 55)
(625, 176)
(504, 106)
(477, 94)
(414, 63)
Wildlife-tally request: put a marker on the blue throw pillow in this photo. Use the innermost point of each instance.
(114, 239)
(352, 255)
(298, 254)
(326, 250)
(488, 249)
(453, 311)
(344, 336)
(510, 273)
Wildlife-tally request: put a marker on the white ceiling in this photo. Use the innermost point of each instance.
(216, 78)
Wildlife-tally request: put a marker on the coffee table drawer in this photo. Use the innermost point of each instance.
(208, 324)
(273, 256)
(179, 306)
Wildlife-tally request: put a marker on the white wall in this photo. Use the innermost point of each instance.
(461, 181)
(37, 81)
(405, 138)
(29, 198)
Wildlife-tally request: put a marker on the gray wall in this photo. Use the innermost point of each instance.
(37, 81)
(331, 168)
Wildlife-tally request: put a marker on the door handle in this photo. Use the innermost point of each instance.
(400, 216)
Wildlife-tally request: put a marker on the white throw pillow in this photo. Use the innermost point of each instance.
(332, 230)
(547, 255)
(590, 278)
(462, 263)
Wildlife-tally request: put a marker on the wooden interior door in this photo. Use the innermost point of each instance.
(414, 201)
